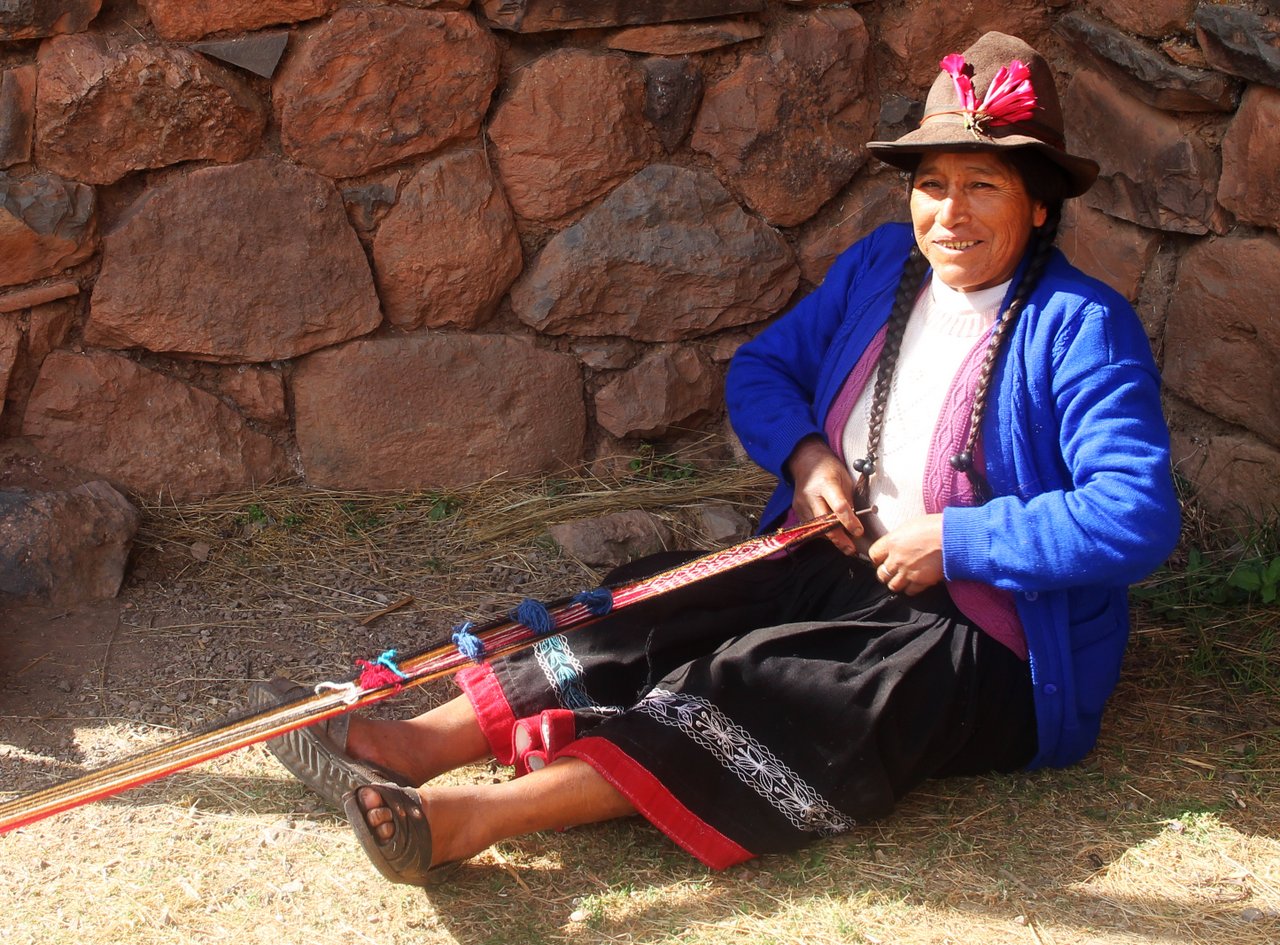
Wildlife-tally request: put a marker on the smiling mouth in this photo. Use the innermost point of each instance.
(956, 245)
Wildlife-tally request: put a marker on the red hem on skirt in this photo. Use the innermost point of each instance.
(658, 805)
(493, 712)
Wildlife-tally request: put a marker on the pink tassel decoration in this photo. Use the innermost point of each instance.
(1010, 98)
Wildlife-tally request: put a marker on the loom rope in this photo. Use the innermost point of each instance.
(498, 637)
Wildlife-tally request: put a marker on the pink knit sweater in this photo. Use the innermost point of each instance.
(989, 607)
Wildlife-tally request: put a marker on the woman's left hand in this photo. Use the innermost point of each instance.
(909, 559)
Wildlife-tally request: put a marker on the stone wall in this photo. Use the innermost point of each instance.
(380, 245)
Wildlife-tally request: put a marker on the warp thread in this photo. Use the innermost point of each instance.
(534, 615)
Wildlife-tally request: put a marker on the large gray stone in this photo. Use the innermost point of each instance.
(1147, 74)
(252, 262)
(1222, 336)
(667, 256)
(787, 128)
(65, 547)
(1155, 171)
(430, 410)
(1240, 42)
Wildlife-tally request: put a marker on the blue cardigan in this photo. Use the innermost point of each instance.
(1077, 455)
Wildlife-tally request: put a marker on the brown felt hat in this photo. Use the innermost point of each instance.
(952, 124)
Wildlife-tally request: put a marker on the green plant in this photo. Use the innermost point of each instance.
(442, 506)
(652, 466)
(1216, 567)
(254, 514)
(359, 518)
(1224, 588)
(1257, 577)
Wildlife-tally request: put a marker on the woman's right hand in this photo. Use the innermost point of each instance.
(824, 484)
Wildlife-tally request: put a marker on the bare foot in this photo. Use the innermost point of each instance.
(422, 747)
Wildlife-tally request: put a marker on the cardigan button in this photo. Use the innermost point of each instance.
(1032, 595)
(1050, 689)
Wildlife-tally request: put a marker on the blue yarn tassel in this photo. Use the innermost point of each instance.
(469, 645)
(534, 615)
(598, 602)
(387, 659)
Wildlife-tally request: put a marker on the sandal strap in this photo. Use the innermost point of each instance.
(406, 857)
(316, 755)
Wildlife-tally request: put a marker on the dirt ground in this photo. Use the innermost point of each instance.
(1166, 834)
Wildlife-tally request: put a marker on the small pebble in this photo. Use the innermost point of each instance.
(578, 915)
(1253, 915)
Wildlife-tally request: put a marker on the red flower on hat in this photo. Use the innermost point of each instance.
(1010, 97)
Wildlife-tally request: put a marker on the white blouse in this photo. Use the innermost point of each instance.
(943, 328)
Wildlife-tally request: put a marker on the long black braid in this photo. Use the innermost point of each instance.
(1040, 254)
(1042, 241)
(903, 303)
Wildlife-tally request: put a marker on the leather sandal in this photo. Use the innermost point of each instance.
(317, 755)
(406, 857)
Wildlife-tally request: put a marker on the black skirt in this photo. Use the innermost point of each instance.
(752, 712)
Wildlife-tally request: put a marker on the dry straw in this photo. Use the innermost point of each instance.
(1166, 833)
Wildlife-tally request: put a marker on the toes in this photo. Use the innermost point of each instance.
(376, 814)
(369, 798)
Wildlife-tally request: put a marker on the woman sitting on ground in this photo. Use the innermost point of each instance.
(998, 408)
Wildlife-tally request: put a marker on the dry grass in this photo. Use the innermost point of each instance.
(1166, 834)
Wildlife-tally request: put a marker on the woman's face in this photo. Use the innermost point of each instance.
(972, 217)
